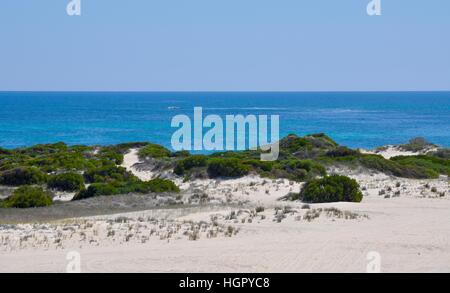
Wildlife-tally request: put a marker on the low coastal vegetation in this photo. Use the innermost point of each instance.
(417, 144)
(87, 170)
(124, 187)
(304, 158)
(66, 182)
(332, 188)
(91, 171)
(28, 197)
(154, 151)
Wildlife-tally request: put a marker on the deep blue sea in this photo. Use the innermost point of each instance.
(355, 119)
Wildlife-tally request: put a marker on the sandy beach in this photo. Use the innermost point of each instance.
(241, 225)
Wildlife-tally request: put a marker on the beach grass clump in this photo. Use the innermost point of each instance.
(66, 182)
(227, 168)
(154, 151)
(28, 197)
(334, 188)
(22, 176)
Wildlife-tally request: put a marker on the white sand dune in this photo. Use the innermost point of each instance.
(411, 235)
(406, 221)
(130, 160)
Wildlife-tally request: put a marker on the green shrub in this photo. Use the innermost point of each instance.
(22, 176)
(298, 170)
(292, 143)
(432, 164)
(107, 173)
(96, 189)
(321, 140)
(154, 151)
(265, 166)
(44, 149)
(28, 197)
(68, 160)
(226, 167)
(156, 186)
(383, 165)
(161, 185)
(181, 154)
(189, 163)
(342, 151)
(111, 155)
(333, 188)
(66, 182)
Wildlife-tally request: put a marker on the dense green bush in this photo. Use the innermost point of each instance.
(342, 151)
(111, 155)
(66, 182)
(107, 173)
(181, 154)
(156, 185)
(28, 197)
(383, 165)
(436, 164)
(264, 166)
(22, 176)
(330, 189)
(96, 189)
(226, 167)
(292, 143)
(321, 140)
(298, 170)
(396, 167)
(44, 149)
(161, 185)
(154, 151)
(190, 162)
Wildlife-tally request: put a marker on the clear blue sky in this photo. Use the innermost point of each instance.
(225, 45)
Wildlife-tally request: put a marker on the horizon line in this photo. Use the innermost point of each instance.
(223, 91)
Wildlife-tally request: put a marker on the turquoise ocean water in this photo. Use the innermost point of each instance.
(355, 119)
